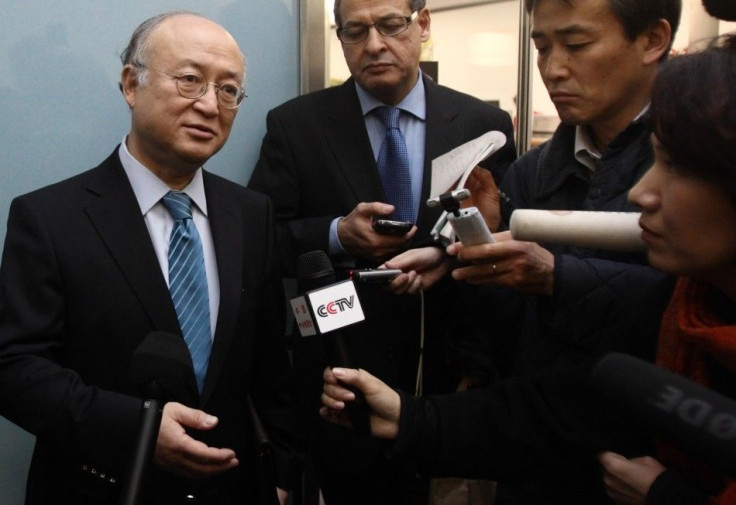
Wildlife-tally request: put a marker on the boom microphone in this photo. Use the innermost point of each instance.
(324, 307)
(613, 231)
(692, 417)
(160, 368)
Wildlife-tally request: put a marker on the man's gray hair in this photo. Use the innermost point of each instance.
(136, 53)
(414, 5)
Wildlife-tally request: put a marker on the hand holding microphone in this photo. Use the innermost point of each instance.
(518, 261)
(324, 307)
(384, 402)
(524, 266)
(696, 419)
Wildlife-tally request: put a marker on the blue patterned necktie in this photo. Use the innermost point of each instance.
(188, 283)
(393, 166)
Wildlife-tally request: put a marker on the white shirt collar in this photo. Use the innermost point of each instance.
(585, 150)
(149, 189)
(415, 102)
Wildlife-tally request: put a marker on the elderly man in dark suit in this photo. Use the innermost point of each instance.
(321, 163)
(88, 272)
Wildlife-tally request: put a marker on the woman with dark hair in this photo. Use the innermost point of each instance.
(688, 202)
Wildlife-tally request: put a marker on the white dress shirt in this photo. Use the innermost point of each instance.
(149, 190)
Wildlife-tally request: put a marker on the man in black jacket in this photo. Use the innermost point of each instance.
(319, 165)
(86, 276)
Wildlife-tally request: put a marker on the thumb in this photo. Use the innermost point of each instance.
(608, 458)
(359, 378)
(191, 418)
(380, 208)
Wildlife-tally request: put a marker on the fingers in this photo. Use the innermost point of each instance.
(524, 266)
(334, 395)
(481, 179)
(179, 453)
(189, 417)
(420, 259)
(609, 459)
(361, 379)
(422, 267)
(357, 236)
(371, 209)
(333, 399)
(406, 283)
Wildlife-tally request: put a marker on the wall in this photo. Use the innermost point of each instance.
(62, 112)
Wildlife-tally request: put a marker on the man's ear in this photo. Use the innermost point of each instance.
(129, 84)
(657, 40)
(424, 22)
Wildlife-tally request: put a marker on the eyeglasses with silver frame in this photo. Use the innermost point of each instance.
(389, 27)
(193, 85)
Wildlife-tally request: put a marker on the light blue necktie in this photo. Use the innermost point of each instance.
(393, 166)
(188, 283)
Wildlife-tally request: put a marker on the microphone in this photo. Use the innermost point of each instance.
(265, 465)
(613, 231)
(323, 308)
(696, 419)
(160, 365)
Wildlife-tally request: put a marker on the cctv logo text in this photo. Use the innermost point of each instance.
(332, 308)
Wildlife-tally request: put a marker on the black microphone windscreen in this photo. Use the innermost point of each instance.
(163, 359)
(692, 417)
(721, 9)
(314, 270)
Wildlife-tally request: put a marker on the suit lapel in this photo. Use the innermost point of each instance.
(440, 138)
(226, 223)
(346, 135)
(118, 220)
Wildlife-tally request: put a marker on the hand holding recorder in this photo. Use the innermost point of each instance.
(361, 238)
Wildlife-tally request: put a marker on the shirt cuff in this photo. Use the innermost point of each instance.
(336, 248)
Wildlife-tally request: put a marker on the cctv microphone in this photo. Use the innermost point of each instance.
(160, 368)
(690, 416)
(613, 231)
(323, 308)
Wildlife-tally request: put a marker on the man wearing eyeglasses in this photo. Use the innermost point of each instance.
(321, 164)
(147, 242)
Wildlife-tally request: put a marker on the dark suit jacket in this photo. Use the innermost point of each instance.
(316, 160)
(316, 163)
(80, 288)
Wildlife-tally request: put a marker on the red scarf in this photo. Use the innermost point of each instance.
(692, 334)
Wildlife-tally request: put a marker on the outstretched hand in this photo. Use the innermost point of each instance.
(524, 266)
(181, 454)
(384, 402)
(421, 267)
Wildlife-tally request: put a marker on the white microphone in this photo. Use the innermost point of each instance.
(613, 231)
